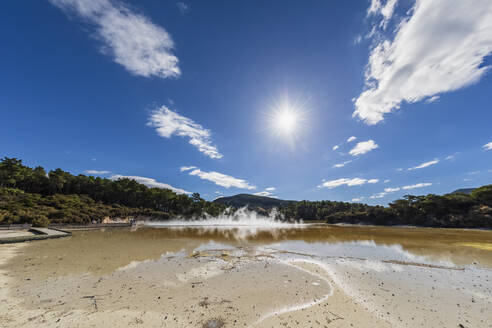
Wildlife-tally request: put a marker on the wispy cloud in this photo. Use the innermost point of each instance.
(131, 39)
(96, 172)
(341, 164)
(183, 7)
(186, 168)
(487, 146)
(345, 181)
(363, 147)
(358, 199)
(378, 195)
(266, 192)
(222, 180)
(384, 10)
(352, 138)
(168, 123)
(426, 164)
(417, 185)
(440, 47)
(149, 182)
(385, 192)
(451, 157)
(335, 147)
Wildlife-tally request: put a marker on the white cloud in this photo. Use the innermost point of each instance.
(374, 8)
(222, 180)
(384, 193)
(378, 195)
(386, 10)
(363, 147)
(439, 48)
(341, 164)
(432, 99)
(262, 193)
(335, 147)
(345, 181)
(352, 138)
(387, 180)
(417, 185)
(488, 146)
(451, 157)
(131, 39)
(96, 172)
(168, 123)
(426, 164)
(186, 168)
(183, 7)
(266, 192)
(358, 199)
(151, 183)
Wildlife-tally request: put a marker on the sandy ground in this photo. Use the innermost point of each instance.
(140, 280)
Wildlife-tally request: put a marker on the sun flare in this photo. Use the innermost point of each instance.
(286, 120)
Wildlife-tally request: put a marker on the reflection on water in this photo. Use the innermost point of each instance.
(460, 247)
(103, 251)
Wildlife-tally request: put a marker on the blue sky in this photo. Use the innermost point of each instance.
(225, 97)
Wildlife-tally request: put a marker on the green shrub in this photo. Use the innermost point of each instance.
(40, 221)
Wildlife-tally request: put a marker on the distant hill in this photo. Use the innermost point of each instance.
(463, 191)
(252, 201)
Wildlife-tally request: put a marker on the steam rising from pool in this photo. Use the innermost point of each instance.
(240, 218)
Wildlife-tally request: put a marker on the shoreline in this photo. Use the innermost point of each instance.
(189, 223)
(33, 234)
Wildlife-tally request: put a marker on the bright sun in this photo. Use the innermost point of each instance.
(285, 120)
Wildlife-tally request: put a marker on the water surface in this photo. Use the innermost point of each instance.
(261, 275)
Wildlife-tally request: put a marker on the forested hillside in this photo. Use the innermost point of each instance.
(29, 194)
(453, 210)
(252, 201)
(470, 209)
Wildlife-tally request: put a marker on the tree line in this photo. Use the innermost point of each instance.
(455, 210)
(59, 196)
(32, 195)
